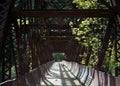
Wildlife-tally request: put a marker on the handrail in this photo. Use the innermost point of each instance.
(93, 77)
(88, 76)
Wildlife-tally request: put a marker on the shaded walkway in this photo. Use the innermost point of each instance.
(64, 73)
(60, 75)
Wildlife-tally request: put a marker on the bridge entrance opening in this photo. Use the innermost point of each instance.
(58, 57)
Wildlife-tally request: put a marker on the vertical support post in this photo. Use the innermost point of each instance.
(101, 54)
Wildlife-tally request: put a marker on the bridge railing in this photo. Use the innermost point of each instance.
(30, 79)
(91, 77)
(87, 76)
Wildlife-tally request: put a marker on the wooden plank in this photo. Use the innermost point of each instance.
(64, 13)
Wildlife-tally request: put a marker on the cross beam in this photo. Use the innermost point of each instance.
(64, 13)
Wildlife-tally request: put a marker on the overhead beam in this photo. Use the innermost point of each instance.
(49, 26)
(59, 38)
(65, 13)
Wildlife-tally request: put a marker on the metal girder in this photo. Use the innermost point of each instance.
(49, 26)
(61, 38)
(64, 13)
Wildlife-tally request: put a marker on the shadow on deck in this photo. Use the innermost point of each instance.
(64, 74)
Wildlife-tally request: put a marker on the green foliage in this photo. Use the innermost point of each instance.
(90, 33)
(58, 56)
(89, 4)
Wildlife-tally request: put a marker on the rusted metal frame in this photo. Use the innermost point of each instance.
(32, 47)
(68, 53)
(116, 44)
(54, 4)
(40, 55)
(42, 50)
(43, 54)
(64, 13)
(35, 58)
(3, 31)
(4, 63)
(2, 53)
(8, 54)
(42, 4)
(18, 35)
(77, 49)
(114, 5)
(24, 60)
(65, 4)
(58, 38)
(85, 50)
(70, 2)
(117, 48)
(44, 23)
(67, 46)
(101, 54)
(59, 34)
(4, 38)
(89, 51)
(36, 5)
(29, 5)
(57, 7)
(22, 2)
(14, 51)
(77, 53)
(23, 64)
(67, 50)
(20, 49)
(49, 26)
(72, 51)
(49, 55)
(82, 50)
(17, 31)
(32, 43)
(112, 40)
(37, 43)
(25, 7)
(20, 46)
(49, 50)
(105, 3)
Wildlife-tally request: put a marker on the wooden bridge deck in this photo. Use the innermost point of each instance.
(64, 74)
(59, 75)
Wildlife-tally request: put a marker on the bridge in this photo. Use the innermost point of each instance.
(32, 31)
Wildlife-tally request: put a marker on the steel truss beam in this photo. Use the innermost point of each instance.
(64, 13)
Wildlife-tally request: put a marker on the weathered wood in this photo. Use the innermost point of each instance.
(64, 13)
